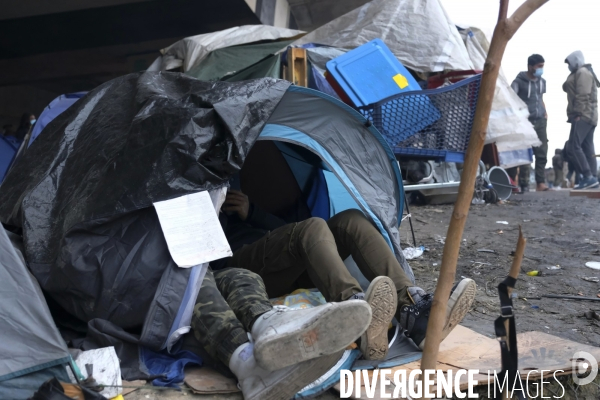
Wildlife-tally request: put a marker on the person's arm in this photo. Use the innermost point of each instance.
(259, 218)
(238, 203)
(515, 86)
(583, 87)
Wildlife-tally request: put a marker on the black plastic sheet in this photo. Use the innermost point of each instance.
(83, 192)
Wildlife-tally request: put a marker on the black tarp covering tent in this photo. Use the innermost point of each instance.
(83, 192)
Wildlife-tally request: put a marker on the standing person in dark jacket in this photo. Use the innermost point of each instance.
(27, 121)
(582, 112)
(530, 86)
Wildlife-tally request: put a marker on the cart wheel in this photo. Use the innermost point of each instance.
(491, 196)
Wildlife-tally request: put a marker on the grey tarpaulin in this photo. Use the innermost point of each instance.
(31, 347)
(83, 192)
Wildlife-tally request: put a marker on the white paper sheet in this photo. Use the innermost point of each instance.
(106, 370)
(192, 229)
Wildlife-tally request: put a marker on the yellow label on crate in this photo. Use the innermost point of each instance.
(400, 80)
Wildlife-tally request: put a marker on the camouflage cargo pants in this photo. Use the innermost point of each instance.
(228, 303)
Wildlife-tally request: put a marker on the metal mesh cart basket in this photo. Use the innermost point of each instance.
(433, 124)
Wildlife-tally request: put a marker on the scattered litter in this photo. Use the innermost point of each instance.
(526, 220)
(593, 264)
(411, 253)
(103, 367)
(536, 238)
(592, 315)
(440, 239)
(593, 231)
(553, 267)
(534, 273)
(486, 251)
(591, 279)
(535, 307)
(546, 327)
(500, 232)
(435, 264)
(550, 212)
(591, 241)
(502, 222)
(560, 296)
(437, 210)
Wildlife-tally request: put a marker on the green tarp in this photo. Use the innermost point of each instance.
(238, 63)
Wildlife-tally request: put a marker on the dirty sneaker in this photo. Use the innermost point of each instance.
(414, 317)
(383, 299)
(283, 336)
(587, 183)
(257, 383)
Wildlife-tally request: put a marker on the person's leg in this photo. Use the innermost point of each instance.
(541, 152)
(282, 336)
(245, 293)
(355, 235)
(512, 173)
(576, 154)
(214, 322)
(558, 177)
(587, 145)
(284, 254)
(524, 177)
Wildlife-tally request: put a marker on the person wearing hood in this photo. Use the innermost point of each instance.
(530, 86)
(581, 87)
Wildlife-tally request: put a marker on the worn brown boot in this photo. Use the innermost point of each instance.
(541, 187)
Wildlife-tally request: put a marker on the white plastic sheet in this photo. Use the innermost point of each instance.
(189, 51)
(418, 32)
(509, 126)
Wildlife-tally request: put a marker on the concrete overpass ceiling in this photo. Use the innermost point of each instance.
(29, 8)
(118, 24)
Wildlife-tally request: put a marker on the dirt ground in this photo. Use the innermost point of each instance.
(561, 230)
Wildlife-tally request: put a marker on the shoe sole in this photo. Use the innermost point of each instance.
(592, 186)
(459, 305)
(383, 299)
(300, 376)
(332, 329)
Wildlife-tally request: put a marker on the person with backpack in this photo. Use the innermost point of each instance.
(530, 86)
(581, 87)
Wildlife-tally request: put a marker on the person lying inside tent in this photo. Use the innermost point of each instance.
(312, 252)
(288, 349)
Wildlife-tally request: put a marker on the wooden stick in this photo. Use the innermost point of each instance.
(505, 29)
(514, 273)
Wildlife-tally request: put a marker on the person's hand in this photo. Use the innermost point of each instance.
(237, 202)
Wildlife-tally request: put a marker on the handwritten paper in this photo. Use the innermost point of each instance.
(192, 229)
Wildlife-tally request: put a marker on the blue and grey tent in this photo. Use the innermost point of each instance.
(84, 190)
(32, 349)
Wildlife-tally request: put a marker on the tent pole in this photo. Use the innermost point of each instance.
(504, 31)
(410, 221)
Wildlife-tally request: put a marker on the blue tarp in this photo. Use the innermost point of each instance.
(53, 110)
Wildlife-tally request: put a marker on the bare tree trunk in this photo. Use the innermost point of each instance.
(504, 31)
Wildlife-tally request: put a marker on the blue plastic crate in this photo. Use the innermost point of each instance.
(371, 73)
(444, 139)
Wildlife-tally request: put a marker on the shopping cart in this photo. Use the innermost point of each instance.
(432, 124)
